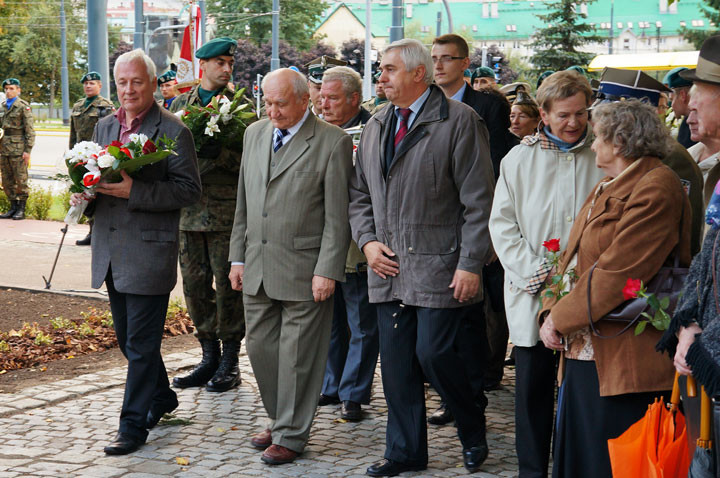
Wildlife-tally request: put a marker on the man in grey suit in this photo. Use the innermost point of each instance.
(135, 244)
(288, 246)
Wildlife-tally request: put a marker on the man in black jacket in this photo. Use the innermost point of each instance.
(486, 332)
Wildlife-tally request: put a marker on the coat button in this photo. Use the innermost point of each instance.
(264, 241)
(410, 249)
(112, 229)
(568, 218)
(264, 214)
(569, 157)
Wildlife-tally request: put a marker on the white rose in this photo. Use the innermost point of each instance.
(138, 138)
(105, 161)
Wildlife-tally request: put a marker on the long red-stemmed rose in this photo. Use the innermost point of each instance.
(635, 289)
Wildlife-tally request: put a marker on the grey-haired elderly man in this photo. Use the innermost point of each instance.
(135, 244)
(353, 341)
(288, 247)
(419, 207)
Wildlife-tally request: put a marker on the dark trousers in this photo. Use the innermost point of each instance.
(472, 347)
(139, 323)
(417, 342)
(496, 322)
(353, 342)
(535, 377)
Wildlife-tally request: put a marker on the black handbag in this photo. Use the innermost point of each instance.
(668, 282)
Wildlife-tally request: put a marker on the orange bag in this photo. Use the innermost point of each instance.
(655, 446)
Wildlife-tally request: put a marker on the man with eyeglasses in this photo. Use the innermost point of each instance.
(484, 353)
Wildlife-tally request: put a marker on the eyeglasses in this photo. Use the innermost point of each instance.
(446, 59)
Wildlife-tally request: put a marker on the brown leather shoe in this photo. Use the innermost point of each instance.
(278, 455)
(262, 440)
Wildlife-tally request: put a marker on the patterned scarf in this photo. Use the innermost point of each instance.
(712, 214)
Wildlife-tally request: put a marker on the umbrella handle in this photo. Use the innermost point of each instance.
(691, 386)
(675, 397)
(705, 421)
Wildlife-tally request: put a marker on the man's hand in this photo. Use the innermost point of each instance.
(26, 158)
(377, 255)
(77, 198)
(466, 285)
(119, 190)
(686, 337)
(236, 276)
(322, 288)
(550, 335)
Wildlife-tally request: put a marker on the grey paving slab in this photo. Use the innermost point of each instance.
(64, 434)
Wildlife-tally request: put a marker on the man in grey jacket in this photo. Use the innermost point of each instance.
(419, 207)
(135, 244)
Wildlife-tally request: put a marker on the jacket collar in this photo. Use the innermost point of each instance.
(435, 109)
(546, 143)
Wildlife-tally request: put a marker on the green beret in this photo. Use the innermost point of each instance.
(674, 80)
(169, 75)
(467, 73)
(483, 72)
(318, 66)
(579, 69)
(217, 47)
(11, 81)
(542, 77)
(91, 76)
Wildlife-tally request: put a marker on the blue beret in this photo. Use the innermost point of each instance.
(91, 76)
(166, 77)
(217, 47)
(11, 81)
(674, 80)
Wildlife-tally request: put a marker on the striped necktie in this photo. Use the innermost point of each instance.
(279, 135)
(403, 129)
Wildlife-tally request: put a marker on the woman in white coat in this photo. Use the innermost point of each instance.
(543, 184)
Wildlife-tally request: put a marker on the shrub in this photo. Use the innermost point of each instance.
(4, 202)
(39, 203)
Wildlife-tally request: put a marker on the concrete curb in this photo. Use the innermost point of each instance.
(91, 295)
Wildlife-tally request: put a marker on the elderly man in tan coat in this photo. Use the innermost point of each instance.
(288, 247)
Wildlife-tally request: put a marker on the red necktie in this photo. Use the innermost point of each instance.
(403, 129)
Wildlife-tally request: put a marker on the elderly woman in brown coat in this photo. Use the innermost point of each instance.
(634, 222)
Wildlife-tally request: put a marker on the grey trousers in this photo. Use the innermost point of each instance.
(287, 343)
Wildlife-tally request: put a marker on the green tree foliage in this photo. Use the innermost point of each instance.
(250, 19)
(30, 42)
(559, 44)
(711, 10)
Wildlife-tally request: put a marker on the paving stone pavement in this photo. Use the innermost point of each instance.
(59, 430)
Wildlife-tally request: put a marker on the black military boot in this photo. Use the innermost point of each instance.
(205, 369)
(86, 241)
(228, 374)
(11, 212)
(20, 213)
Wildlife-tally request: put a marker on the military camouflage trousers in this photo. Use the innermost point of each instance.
(14, 177)
(216, 312)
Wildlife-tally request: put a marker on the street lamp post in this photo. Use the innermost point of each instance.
(275, 58)
(658, 25)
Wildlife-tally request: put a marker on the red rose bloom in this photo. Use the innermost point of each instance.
(553, 245)
(149, 147)
(117, 144)
(127, 152)
(631, 289)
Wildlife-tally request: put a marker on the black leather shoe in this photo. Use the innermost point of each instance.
(156, 412)
(474, 457)
(123, 444)
(10, 212)
(392, 468)
(351, 411)
(327, 400)
(203, 371)
(85, 241)
(491, 387)
(441, 416)
(228, 373)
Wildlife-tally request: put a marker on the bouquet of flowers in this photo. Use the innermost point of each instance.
(88, 163)
(223, 120)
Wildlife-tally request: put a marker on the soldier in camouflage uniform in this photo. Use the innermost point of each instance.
(377, 102)
(167, 83)
(16, 120)
(205, 230)
(85, 115)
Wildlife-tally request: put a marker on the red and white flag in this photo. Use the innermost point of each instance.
(188, 67)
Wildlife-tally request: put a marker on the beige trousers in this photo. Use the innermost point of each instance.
(287, 343)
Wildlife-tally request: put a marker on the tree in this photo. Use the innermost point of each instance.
(712, 13)
(120, 48)
(251, 19)
(353, 52)
(558, 46)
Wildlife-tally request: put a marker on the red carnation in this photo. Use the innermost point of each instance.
(631, 289)
(149, 147)
(553, 245)
(90, 180)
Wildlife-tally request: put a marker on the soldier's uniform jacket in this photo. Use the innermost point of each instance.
(17, 123)
(84, 118)
(372, 106)
(219, 168)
